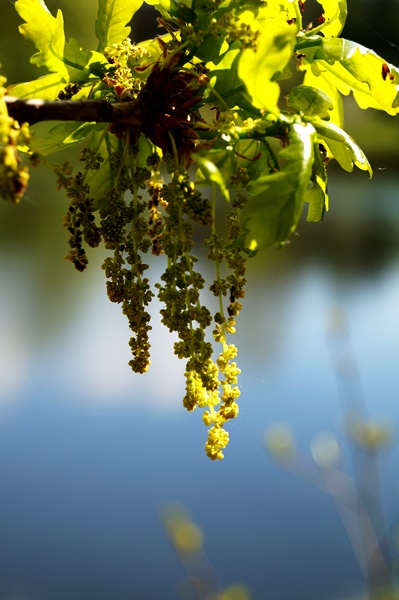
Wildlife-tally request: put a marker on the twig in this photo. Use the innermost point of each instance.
(32, 111)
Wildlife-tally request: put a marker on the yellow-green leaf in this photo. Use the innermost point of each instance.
(43, 88)
(353, 68)
(113, 16)
(63, 135)
(342, 147)
(224, 78)
(217, 166)
(103, 179)
(259, 69)
(317, 195)
(45, 32)
(334, 13)
(273, 213)
(310, 101)
(316, 78)
(168, 5)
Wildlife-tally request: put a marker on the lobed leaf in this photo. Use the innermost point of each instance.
(273, 213)
(351, 67)
(68, 61)
(45, 32)
(82, 64)
(342, 147)
(113, 15)
(259, 69)
(334, 13)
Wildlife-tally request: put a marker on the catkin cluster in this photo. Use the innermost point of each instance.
(14, 176)
(148, 210)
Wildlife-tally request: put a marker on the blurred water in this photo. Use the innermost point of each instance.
(90, 453)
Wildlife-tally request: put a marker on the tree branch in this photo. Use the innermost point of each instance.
(32, 111)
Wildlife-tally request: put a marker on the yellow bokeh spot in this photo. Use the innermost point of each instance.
(188, 537)
(185, 535)
(234, 592)
(279, 441)
(371, 436)
(253, 245)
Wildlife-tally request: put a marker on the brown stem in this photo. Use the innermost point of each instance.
(32, 111)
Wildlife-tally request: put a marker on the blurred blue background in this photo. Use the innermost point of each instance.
(91, 453)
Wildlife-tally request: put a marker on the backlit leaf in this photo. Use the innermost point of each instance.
(169, 6)
(353, 68)
(103, 179)
(319, 79)
(43, 88)
(273, 213)
(113, 15)
(217, 167)
(225, 81)
(210, 49)
(255, 157)
(81, 64)
(62, 136)
(317, 194)
(259, 69)
(334, 13)
(309, 101)
(342, 147)
(45, 32)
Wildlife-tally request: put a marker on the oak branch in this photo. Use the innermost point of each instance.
(32, 111)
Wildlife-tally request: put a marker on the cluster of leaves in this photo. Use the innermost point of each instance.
(202, 108)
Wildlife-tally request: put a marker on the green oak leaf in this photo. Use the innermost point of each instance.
(103, 179)
(45, 32)
(317, 194)
(172, 7)
(341, 146)
(320, 80)
(255, 157)
(62, 136)
(273, 213)
(83, 65)
(310, 101)
(68, 61)
(225, 81)
(43, 88)
(210, 48)
(113, 15)
(353, 68)
(260, 68)
(217, 166)
(334, 13)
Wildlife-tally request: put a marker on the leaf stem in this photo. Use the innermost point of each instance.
(217, 268)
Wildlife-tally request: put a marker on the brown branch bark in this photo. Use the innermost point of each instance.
(32, 111)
